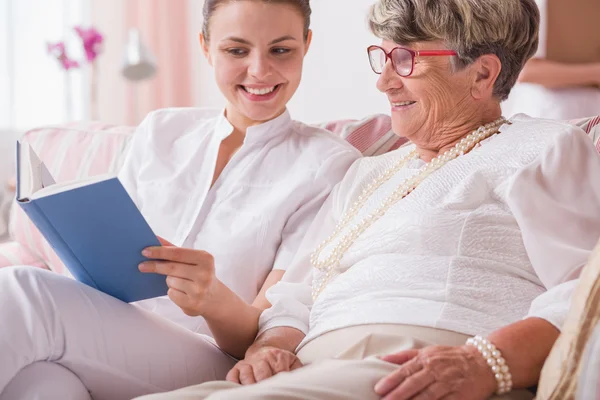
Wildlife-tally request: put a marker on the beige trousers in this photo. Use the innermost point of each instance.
(339, 365)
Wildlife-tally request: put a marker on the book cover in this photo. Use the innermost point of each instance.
(98, 232)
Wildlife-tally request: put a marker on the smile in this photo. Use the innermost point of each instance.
(260, 94)
(403, 103)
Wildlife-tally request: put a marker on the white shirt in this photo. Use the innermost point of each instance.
(541, 102)
(253, 218)
(494, 236)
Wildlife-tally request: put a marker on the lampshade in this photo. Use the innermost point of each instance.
(139, 62)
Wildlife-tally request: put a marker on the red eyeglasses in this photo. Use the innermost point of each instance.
(403, 60)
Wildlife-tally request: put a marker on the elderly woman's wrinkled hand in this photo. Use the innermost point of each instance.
(261, 364)
(190, 275)
(438, 372)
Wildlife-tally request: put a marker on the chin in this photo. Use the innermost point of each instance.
(405, 129)
(262, 114)
(400, 129)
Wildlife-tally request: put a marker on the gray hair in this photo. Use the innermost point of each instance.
(472, 28)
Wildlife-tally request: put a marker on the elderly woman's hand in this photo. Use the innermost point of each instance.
(262, 363)
(438, 372)
(190, 276)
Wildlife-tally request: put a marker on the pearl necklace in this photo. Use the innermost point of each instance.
(332, 262)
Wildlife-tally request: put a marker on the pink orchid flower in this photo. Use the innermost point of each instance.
(58, 51)
(92, 42)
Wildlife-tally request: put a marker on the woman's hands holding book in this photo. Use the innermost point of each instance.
(191, 278)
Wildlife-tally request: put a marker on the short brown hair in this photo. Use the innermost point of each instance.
(472, 28)
(210, 7)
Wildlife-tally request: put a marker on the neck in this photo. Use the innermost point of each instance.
(240, 122)
(444, 139)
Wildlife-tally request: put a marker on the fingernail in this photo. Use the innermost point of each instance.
(379, 387)
(144, 267)
(146, 252)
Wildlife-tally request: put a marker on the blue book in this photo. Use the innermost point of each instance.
(93, 226)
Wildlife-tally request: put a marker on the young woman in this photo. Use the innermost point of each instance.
(233, 191)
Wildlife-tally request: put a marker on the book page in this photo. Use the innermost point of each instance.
(70, 185)
(29, 173)
(46, 176)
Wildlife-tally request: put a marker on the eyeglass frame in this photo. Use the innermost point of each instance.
(414, 54)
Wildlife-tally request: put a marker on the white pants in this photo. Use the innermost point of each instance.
(87, 341)
(339, 365)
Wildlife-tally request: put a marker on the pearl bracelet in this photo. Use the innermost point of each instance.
(494, 359)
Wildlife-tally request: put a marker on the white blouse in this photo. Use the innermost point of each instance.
(253, 218)
(494, 236)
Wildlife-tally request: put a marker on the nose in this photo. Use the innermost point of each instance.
(389, 79)
(260, 67)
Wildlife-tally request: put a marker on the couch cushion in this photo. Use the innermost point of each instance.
(563, 366)
(14, 253)
(592, 127)
(72, 151)
(372, 136)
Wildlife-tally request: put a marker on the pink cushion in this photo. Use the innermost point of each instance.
(14, 253)
(591, 126)
(372, 135)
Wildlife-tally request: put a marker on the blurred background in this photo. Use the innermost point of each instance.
(36, 89)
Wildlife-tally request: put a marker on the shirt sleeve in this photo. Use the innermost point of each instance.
(556, 202)
(137, 152)
(291, 298)
(328, 175)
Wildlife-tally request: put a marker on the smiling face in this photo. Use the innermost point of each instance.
(431, 100)
(257, 51)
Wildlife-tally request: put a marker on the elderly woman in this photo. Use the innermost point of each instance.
(442, 270)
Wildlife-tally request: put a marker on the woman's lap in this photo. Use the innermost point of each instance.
(326, 380)
(117, 350)
(348, 371)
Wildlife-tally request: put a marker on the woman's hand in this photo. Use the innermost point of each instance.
(438, 372)
(263, 363)
(190, 276)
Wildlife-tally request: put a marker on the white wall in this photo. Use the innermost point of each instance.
(108, 17)
(206, 92)
(6, 66)
(34, 90)
(338, 82)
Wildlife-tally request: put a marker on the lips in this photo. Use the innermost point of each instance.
(260, 94)
(402, 103)
(260, 91)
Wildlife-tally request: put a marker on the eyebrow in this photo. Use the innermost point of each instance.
(244, 41)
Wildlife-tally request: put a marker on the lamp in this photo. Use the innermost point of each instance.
(139, 63)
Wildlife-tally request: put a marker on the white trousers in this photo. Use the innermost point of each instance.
(339, 365)
(62, 339)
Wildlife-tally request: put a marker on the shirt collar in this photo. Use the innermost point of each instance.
(258, 133)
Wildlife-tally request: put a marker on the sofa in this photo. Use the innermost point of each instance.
(84, 149)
